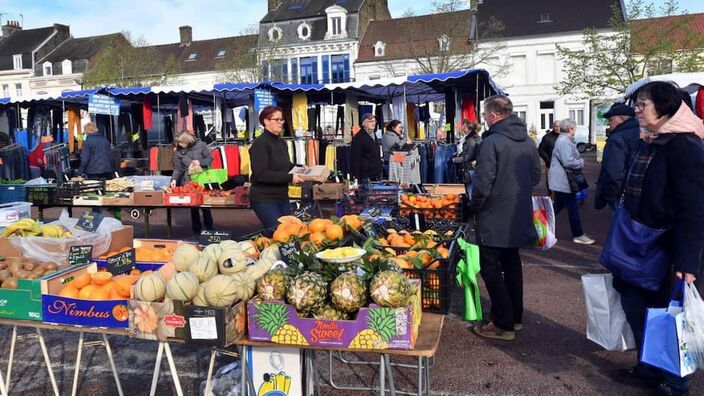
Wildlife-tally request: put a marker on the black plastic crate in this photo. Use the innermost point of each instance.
(66, 191)
(13, 193)
(44, 194)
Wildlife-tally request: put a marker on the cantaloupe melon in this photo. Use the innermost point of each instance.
(259, 268)
(249, 249)
(151, 287)
(184, 256)
(213, 251)
(245, 286)
(199, 299)
(229, 244)
(272, 252)
(183, 286)
(220, 291)
(232, 261)
(204, 268)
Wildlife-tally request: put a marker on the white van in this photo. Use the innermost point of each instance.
(581, 138)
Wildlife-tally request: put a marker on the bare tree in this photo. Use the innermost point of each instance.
(248, 64)
(449, 5)
(408, 12)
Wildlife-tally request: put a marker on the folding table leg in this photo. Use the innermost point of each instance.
(108, 350)
(382, 380)
(157, 368)
(427, 375)
(77, 369)
(387, 363)
(48, 363)
(172, 367)
(208, 382)
(420, 376)
(3, 390)
(11, 359)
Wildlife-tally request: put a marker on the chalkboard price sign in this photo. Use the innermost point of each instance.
(369, 229)
(304, 212)
(120, 263)
(288, 250)
(78, 255)
(208, 237)
(374, 211)
(89, 221)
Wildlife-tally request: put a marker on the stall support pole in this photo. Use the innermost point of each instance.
(48, 362)
(3, 390)
(211, 366)
(164, 346)
(169, 228)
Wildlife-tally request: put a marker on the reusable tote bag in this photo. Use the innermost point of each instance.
(544, 222)
(663, 339)
(606, 321)
(467, 270)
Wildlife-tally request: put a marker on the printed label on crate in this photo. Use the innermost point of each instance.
(63, 310)
(120, 263)
(147, 185)
(369, 229)
(203, 324)
(89, 221)
(288, 250)
(181, 200)
(208, 237)
(174, 320)
(79, 255)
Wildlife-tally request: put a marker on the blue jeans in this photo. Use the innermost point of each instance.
(443, 165)
(269, 212)
(569, 201)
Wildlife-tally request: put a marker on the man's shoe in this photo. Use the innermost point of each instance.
(632, 377)
(583, 239)
(490, 331)
(518, 327)
(666, 390)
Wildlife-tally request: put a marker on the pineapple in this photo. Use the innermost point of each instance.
(348, 292)
(307, 292)
(272, 285)
(328, 312)
(274, 319)
(382, 326)
(390, 289)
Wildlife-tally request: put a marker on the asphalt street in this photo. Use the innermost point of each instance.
(550, 356)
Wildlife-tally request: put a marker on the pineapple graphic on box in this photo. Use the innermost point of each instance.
(382, 326)
(273, 318)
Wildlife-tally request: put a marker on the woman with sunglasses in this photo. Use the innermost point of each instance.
(270, 169)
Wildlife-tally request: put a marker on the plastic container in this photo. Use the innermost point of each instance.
(42, 194)
(150, 183)
(13, 211)
(13, 193)
(65, 192)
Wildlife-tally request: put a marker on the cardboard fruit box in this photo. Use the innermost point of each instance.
(212, 326)
(160, 321)
(78, 312)
(173, 199)
(24, 302)
(373, 328)
(148, 198)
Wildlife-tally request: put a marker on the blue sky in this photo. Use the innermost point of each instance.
(157, 21)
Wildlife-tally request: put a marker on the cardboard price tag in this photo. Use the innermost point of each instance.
(288, 250)
(120, 263)
(89, 221)
(211, 237)
(78, 255)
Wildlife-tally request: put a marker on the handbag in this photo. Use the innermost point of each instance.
(606, 320)
(575, 177)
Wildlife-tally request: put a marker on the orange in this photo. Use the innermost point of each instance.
(281, 235)
(292, 229)
(108, 287)
(434, 265)
(135, 272)
(443, 251)
(101, 278)
(99, 294)
(334, 232)
(81, 281)
(289, 220)
(425, 257)
(412, 253)
(408, 238)
(114, 295)
(68, 291)
(317, 238)
(123, 285)
(86, 291)
(317, 225)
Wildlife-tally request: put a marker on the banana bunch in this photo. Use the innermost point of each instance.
(281, 383)
(22, 228)
(54, 231)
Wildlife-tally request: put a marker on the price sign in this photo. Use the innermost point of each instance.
(369, 229)
(78, 255)
(303, 212)
(205, 325)
(208, 237)
(417, 221)
(147, 185)
(120, 263)
(89, 221)
(374, 211)
(288, 250)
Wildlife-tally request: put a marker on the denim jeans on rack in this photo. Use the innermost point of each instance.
(443, 164)
(423, 152)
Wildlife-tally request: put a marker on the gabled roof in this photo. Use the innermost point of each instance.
(206, 51)
(300, 9)
(81, 48)
(677, 27)
(24, 41)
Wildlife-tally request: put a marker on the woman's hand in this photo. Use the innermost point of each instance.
(688, 278)
(195, 163)
(297, 179)
(173, 183)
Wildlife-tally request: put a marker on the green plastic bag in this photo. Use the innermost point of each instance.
(211, 176)
(467, 270)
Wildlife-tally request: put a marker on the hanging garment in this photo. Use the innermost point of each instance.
(169, 128)
(331, 158)
(147, 113)
(312, 153)
(398, 106)
(469, 112)
(386, 112)
(404, 168)
(217, 159)
(291, 154)
(379, 115)
(311, 120)
(74, 126)
(339, 120)
(410, 120)
(57, 125)
(232, 154)
(322, 146)
(299, 152)
(199, 122)
(300, 112)
(184, 120)
(450, 110)
(217, 117)
(245, 164)
(154, 159)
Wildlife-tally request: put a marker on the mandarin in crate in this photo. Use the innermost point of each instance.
(68, 291)
(108, 287)
(317, 238)
(99, 295)
(317, 225)
(334, 232)
(81, 281)
(86, 291)
(114, 295)
(101, 278)
(123, 285)
(281, 235)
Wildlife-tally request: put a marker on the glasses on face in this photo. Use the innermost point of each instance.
(640, 106)
(370, 120)
(281, 120)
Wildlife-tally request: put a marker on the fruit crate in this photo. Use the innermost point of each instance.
(42, 194)
(65, 192)
(13, 193)
(183, 199)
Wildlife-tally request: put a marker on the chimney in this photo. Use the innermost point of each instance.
(274, 4)
(186, 34)
(10, 27)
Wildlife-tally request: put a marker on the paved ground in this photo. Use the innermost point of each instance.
(550, 356)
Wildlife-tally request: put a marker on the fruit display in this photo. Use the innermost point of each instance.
(13, 269)
(314, 235)
(119, 184)
(432, 206)
(31, 228)
(188, 188)
(98, 286)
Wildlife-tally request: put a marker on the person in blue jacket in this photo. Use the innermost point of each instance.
(96, 156)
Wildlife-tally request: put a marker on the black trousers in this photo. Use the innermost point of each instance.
(502, 271)
(196, 225)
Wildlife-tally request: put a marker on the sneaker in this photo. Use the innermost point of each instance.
(666, 390)
(583, 239)
(518, 327)
(490, 331)
(631, 376)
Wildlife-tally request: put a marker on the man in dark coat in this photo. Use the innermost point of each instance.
(618, 154)
(547, 143)
(507, 169)
(365, 155)
(97, 161)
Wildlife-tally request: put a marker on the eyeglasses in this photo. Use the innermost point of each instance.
(281, 120)
(640, 106)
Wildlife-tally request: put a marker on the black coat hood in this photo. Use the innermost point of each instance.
(512, 127)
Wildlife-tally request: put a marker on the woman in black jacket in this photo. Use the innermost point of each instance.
(270, 169)
(96, 155)
(470, 148)
(191, 153)
(664, 190)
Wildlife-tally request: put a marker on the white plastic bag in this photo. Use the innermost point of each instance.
(606, 320)
(544, 222)
(694, 324)
(56, 249)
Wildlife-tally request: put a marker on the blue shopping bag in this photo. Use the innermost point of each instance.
(663, 345)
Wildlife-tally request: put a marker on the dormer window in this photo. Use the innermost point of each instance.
(192, 56)
(304, 31)
(47, 67)
(221, 53)
(275, 34)
(66, 67)
(379, 49)
(17, 61)
(336, 26)
(444, 43)
(545, 18)
(337, 22)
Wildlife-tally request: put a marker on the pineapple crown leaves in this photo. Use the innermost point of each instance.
(373, 265)
(304, 261)
(271, 317)
(383, 321)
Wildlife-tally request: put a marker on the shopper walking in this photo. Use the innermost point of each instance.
(546, 146)
(468, 148)
(270, 169)
(621, 145)
(97, 161)
(565, 156)
(664, 189)
(365, 154)
(507, 169)
(191, 153)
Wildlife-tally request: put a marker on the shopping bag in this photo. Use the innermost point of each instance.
(694, 324)
(544, 222)
(663, 343)
(606, 320)
(467, 270)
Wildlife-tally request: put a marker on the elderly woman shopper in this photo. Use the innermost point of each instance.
(664, 190)
(97, 161)
(565, 157)
(392, 140)
(270, 169)
(191, 156)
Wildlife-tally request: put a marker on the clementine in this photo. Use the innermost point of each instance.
(317, 238)
(334, 232)
(101, 278)
(86, 291)
(68, 291)
(99, 294)
(81, 281)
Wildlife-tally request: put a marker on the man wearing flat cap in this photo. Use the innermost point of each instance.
(365, 158)
(621, 147)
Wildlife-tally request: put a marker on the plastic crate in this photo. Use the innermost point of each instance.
(65, 192)
(43, 194)
(13, 211)
(13, 193)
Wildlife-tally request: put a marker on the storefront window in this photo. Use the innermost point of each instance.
(326, 69)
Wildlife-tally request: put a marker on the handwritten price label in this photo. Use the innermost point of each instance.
(120, 263)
